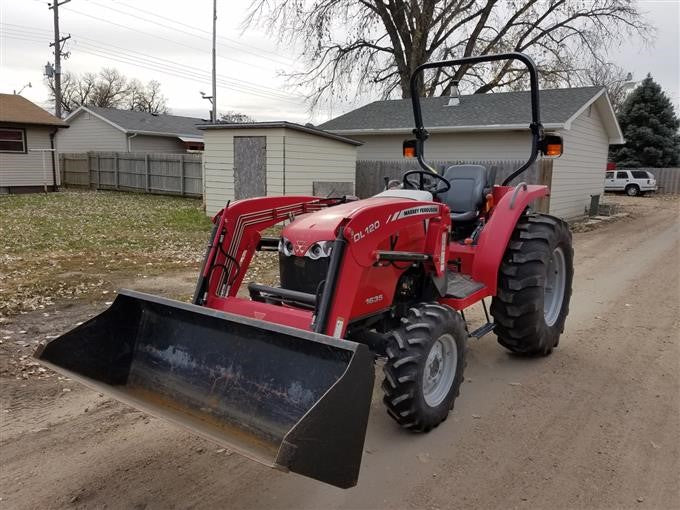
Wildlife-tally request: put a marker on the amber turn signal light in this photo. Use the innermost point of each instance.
(489, 202)
(410, 148)
(551, 146)
(554, 149)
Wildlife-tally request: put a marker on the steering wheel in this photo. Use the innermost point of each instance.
(425, 183)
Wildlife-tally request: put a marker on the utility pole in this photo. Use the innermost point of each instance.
(214, 65)
(57, 44)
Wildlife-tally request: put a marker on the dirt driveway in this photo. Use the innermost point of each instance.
(596, 425)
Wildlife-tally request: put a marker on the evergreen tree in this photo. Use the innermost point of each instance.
(650, 127)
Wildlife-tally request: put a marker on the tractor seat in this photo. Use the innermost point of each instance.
(468, 189)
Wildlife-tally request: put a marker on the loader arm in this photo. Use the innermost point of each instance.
(235, 238)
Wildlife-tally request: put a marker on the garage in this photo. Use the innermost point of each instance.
(493, 130)
(275, 158)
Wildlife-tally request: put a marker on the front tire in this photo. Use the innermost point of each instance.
(424, 368)
(534, 286)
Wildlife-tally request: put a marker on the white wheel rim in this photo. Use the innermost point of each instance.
(440, 370)
(555, 283)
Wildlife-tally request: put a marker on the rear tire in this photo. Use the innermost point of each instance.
(534, 286)
(424, 368)
(632, 190)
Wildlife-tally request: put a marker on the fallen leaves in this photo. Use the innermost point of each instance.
(67, 245)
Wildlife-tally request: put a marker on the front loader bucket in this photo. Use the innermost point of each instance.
(287, 398)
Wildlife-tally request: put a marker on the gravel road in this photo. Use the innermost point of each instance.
(596, 425)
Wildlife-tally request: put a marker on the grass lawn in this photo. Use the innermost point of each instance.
(72, 243)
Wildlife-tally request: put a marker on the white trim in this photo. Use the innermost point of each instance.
(447, 129)
(190, 138)
(583, 108)
(613, 140)
(158, 133)
(619, 139)
(101, 117)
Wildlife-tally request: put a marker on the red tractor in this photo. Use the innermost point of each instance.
(285, 374)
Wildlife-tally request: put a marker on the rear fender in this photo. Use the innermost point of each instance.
(494, 239)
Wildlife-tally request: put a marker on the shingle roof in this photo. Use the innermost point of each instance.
(474, 111)
(282, 124)
(133, 122)
(19, 110)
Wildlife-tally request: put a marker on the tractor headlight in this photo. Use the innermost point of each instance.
(285, 247)
(320, 249)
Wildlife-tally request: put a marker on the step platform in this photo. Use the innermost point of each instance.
(460, 285)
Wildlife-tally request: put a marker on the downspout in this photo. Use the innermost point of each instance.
(54, 164)
(130, 137)
(284, 164)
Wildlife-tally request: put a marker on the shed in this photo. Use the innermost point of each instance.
(274, 158)
(27, 146)
(494, 127)
(93, 128)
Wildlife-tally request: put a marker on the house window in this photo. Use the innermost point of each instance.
(12, 140)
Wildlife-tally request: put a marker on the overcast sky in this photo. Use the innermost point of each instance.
(169, 41)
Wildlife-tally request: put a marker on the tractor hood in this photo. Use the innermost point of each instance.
(322, 225)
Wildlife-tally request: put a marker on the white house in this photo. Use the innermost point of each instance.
(112, 130)
(494, 127)
(27, 146)
(274, 158)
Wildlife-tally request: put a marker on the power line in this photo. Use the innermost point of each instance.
(154, 66)
(93, 44)
(172, 41)
(137, 17)
(233, 41)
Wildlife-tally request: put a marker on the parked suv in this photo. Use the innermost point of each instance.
(633, 182)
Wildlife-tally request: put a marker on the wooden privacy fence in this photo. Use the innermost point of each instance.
(370, 175)
(667, 179)
(173, 174)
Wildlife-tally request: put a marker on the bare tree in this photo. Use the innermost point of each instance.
(109, 89)
(606, 74)
(75, 90)
(146, 98)
(354, 46)
(236, 118)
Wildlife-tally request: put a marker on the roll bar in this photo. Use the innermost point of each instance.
(537, 134)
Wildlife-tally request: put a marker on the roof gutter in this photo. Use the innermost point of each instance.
(445, 129)
(158, 133)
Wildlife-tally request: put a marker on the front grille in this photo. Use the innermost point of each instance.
(302, 273)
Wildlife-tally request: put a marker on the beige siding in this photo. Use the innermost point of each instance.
(27, 169)
(89, 133)
(301, 157)
(480, 145)
(167, 144)
(218, 160)
(579, 172)
(312, 158)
